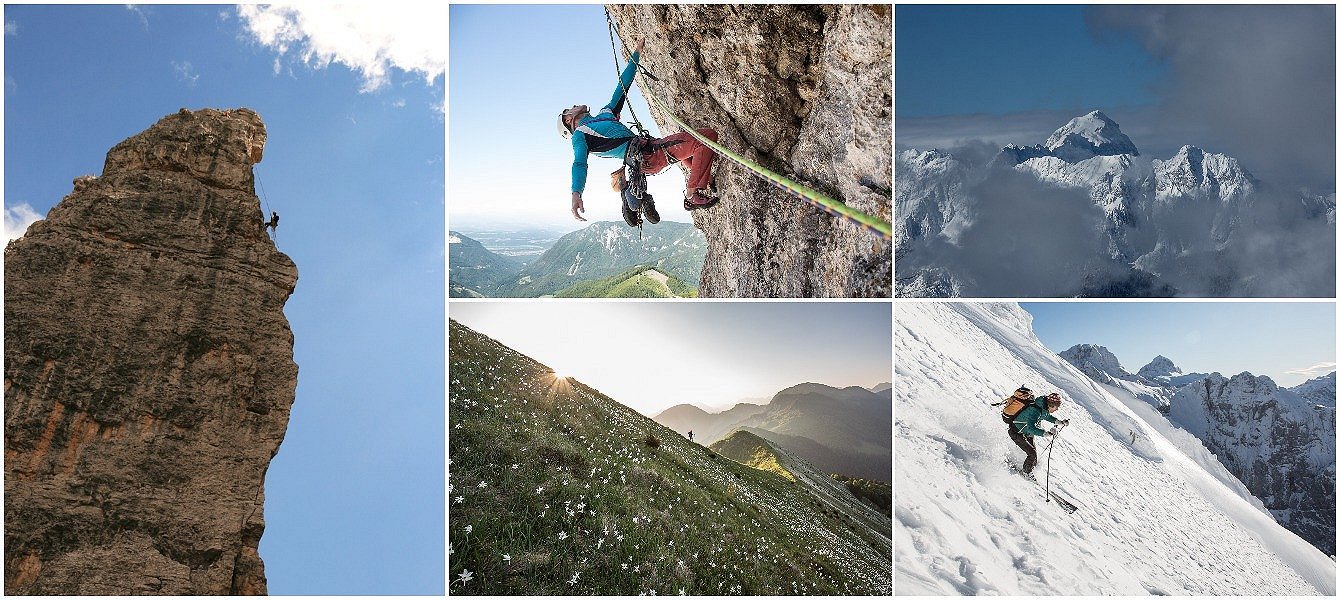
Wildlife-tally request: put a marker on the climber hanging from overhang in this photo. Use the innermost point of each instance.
(642, 154)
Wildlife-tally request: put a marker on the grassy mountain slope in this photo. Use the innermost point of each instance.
(831, 494)
(475, 270)
(557, 489)
(640, 281)
(608, 248)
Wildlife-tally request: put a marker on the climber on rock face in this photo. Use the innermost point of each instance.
(1023, 422)
(273, 224)
(606, 136)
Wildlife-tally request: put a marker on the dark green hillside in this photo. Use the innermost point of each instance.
(638, 282)
(476, 270)
(557, 489)
(608, 248)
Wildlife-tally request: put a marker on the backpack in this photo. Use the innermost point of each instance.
(1013, 406)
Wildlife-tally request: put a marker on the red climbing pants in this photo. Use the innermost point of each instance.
(695, 155)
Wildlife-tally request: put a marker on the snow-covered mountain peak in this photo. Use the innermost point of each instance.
(1319, 391)
(1193, 170)
(1087, 136)
(1161, 366)
(1096, 362)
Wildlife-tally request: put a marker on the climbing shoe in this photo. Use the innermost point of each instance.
(698, 201)
(630, 216)
(649, 210)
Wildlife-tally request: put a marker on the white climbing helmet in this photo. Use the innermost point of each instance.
(563, 126)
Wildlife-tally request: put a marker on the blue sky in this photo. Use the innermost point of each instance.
(654, 355)
(508, 163)
(1002, 59)
(354, 164)
(1289, 341)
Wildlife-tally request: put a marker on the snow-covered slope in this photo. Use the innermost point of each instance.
(1151, 520)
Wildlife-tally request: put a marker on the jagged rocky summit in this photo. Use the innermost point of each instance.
(1196, 223)
(804, 90)
(148, 371)
(1280, 443)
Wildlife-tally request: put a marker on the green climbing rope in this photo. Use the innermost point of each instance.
(822, 201)
(829, 205)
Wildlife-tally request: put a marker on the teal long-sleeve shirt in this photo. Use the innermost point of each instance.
(603, 133)
(1027, 420)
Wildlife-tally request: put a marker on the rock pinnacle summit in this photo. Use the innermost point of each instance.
(148, 371)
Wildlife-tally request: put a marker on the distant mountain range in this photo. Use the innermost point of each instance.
(475, 270)
(602, 250)
(846, 431)
(1278, 442)
(1086, 214)
(557, 489)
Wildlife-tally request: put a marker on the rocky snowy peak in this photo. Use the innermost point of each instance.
(1160, 368)
(1163, 372)
(1194, 172)
(931, 199)
(1278, 443)
(1318, 391)
(1087, 136)
(1152, 518)
(1096, 362)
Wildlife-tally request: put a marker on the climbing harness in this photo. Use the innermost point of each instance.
(831, 206)
(274, 231)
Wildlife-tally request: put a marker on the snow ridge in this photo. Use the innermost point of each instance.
(1151, 519)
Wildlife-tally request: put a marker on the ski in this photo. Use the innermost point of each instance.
(1067, 505)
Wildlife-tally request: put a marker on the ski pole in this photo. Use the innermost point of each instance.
(1056, 432)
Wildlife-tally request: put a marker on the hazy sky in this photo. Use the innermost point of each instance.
(654, 355)
(354, 164)
(1289, 341)
(509, 165)
(1254, 82)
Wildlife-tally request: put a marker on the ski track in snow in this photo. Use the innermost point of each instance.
(1151, 520)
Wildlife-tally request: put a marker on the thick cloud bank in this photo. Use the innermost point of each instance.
(1260, 79)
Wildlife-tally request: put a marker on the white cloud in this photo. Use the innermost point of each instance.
(144, 17)
(1316, 370)
(185, 72)
(11, 28)
(398, 103)
(18, 219)
(370, 38)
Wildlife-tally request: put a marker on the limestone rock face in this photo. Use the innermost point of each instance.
(148, 371)
(803, 90)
